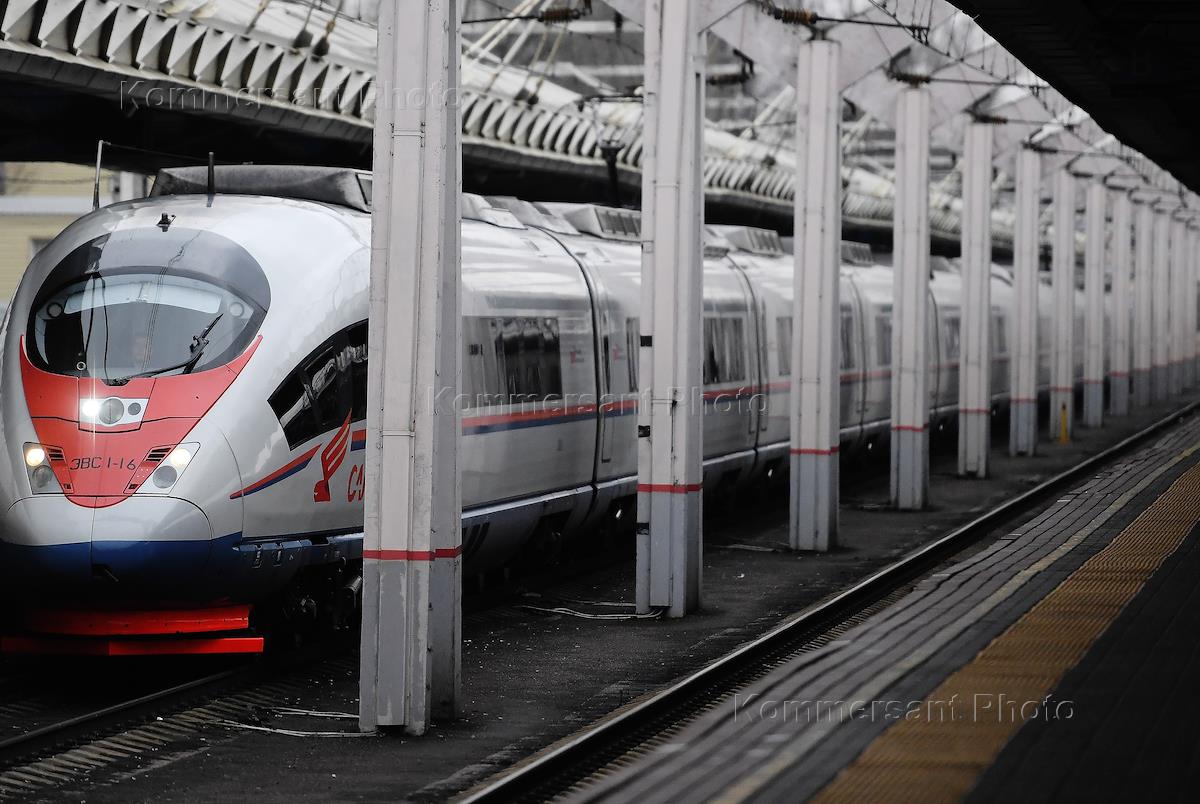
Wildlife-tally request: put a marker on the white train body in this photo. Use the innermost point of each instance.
(276, 428)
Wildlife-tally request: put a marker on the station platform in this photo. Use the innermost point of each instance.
(1056, 663)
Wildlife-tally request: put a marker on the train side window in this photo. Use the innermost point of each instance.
(510, 360)
(1000, 335)
(633, 349)
(356, 353)
(848, 359)
(952, 332)
(724, 350)
(293, 407)
(783, 332)
(479, 361)
(328, 385)
(883, 338)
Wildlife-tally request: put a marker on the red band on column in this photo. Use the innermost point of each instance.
(830, 451)
(668, 488)
(413, 555)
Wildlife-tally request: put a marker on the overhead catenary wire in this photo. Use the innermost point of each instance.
(554, 14)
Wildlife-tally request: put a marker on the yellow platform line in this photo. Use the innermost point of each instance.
(939, 754)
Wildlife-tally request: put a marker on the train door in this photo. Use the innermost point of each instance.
(759, 400)
(853, 357)
(612, 272)
(603, 325)
(933, 356)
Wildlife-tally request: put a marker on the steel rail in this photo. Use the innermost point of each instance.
(16, 749)
(67, 733)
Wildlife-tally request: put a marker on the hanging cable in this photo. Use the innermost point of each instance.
(321, 48)
(549, 65)
(258, 12)
(304, 38)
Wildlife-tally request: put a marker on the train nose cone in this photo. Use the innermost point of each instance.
(55, 550)
(154, 545)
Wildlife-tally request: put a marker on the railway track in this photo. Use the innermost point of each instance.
(40, 734)
(58, 743)
(592, 754)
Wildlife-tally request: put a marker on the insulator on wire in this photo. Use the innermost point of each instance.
(560, 14)
(794, 16)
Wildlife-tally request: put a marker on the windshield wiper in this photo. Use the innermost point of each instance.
(196, 350)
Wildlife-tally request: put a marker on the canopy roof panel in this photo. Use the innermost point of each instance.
(1132, 66)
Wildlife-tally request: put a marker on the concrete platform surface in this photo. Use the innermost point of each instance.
(922, 698)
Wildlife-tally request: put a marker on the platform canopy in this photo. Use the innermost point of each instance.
(293, 80)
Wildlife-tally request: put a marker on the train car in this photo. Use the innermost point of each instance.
(183, 397)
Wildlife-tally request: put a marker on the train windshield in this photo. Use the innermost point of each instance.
(139, 325)
(99, 316)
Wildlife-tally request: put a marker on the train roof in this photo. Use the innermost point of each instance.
(328, 185)
(351, 188)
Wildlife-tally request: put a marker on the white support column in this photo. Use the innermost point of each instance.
(1022, 438)
(975, 367)
(1143, 304)
(412, 576)
(1160, 316)
(1093, 314)
(1062, 346)
(130, 186)
(670, 468)
(1187, 307)
(910, 276)
(1122, 265)
(1193, 301)
(816, 307)
(1175, 295)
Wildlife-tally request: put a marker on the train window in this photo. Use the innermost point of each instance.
(952, 332)
(356, 352)
(848, 360)
(1000, 335)
(883, 338)
(330, 391)
(293, 408)
(328, 385)
(136, 303)
(783, 332)
(511, 360)
(724, 350)
(633, 349)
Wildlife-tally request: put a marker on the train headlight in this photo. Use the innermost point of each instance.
(42, 479)
(34, 455)
(41, 476)
(169, 470)
(89, 409)
(165, 476)
(180, 457)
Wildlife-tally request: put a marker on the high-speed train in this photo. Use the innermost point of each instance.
(183, 395)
